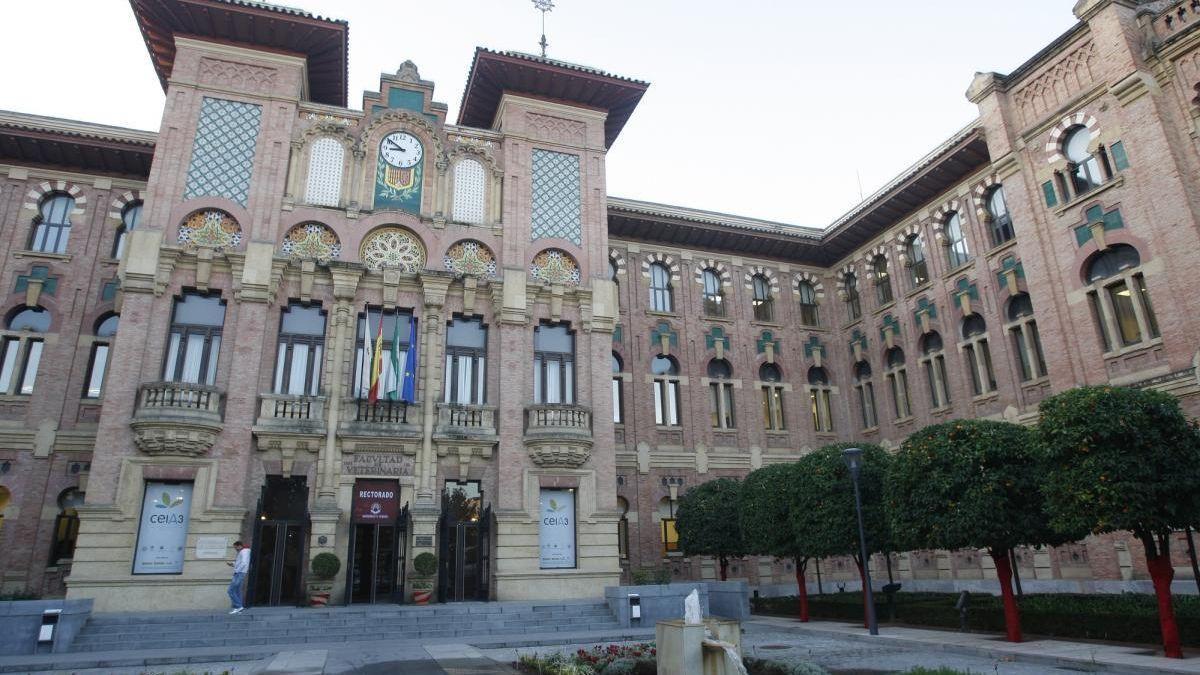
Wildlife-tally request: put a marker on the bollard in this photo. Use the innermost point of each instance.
(964, 599)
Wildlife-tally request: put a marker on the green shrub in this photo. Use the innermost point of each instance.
(766, 667)
(425, 564)
(644, 576)
(325, 565)
(1127, 617)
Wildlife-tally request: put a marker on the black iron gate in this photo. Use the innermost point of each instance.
(378, 560)
(464, 553)
(281, 527)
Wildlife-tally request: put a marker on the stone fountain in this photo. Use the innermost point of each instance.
(695, 645)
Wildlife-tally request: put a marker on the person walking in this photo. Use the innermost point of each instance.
(240, 565)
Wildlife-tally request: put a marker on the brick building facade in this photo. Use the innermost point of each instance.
(580, 360)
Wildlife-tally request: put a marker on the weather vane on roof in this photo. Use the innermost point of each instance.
(544, 6)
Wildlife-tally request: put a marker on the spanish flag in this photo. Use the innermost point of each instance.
(376, 364)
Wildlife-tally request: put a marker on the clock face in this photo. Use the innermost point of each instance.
(401, 149)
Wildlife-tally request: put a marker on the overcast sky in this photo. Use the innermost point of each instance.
(761, 108)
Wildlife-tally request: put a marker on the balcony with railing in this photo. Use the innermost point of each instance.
(291, 414)
(558, 434)
(455, 421)
(177, 418)
(360, 417)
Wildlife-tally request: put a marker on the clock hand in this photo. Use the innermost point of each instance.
(393, 144)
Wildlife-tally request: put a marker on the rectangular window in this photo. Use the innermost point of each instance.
(853, 307)
(721, 397)
(33, 358)
(899, 386)
(866, 399)
(666, 402)
(1120, 159)
(1121, 298)
(670, 536)
(300, 352)
(12, 348)
(623, 538)
(466, 362)
(96, 369)
(1049, 194)
(1151, 321)
(553, 364)
(1098, 321)
(617, 401)
(195, 341)
(772, 408)
(1019, 348)
(397, 326)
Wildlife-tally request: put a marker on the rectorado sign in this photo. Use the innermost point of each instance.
(376, 501)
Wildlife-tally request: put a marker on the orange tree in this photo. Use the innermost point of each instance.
(970, 484)
(823, 514)
(708, 523)
(1123, 459)
(768, 496)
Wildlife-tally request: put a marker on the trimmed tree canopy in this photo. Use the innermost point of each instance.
(966, 484)
(766, 502)
(823, 514)
(1119, 459)
(707, 519)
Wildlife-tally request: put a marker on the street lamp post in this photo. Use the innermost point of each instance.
(853, 458)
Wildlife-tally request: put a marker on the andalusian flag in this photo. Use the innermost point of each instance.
(398, 359)
(376, 359)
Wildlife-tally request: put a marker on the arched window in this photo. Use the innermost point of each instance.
(553, 364)
(714, 296)
(897, 377)
(466, 362)
(618, 390)
(665, 371)
(66, 526)
(131, 217)
(623, 528)
(105, 330)
(853, 303)
(469, 188)
(22, 352)
(883, 280)
(819, 396)
(195, 341)
(772, 396)
(1027, 343)
(1002, 226)
(1120, 302)
(52, 227)
(661, 291)
(866, 394)
(918, 270)
(720, 388)
(957, 253)
(763, 303)
(810, 311)
(326, 159)
(1083, 166)
(979, 355)
(933, 359)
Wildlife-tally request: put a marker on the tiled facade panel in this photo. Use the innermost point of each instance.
(223, 153)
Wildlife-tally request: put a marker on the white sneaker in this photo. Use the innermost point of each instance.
(237, 611)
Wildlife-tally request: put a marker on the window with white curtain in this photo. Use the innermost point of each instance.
(195, 340)
(665, 371)
(553, 364)
(301, 350)
(325, 164)
(466, 362)
(958, 252)
(396, 327)
(105, 330)
(52, 228)
(21, 352)
(618, 390)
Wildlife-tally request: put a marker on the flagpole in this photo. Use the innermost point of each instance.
(365, 368)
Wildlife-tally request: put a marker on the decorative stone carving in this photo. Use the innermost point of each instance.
(395, 248)
(554, 266)
(550, 128)
(174, 418)
(407, 72)
(211, 229)
(1057, 85)
(470, 258)
(241, 76)
(558, 435)
(312, 241)
(566, 455)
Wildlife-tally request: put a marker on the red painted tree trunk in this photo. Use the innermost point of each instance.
(1161, 573)
(724, 569)
(1012, 616)
(863, 578)
(802, 585)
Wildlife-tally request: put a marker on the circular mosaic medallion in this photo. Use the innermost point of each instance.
(312, 241)
(470, 258)
(393, 247)
(553, 266)
(214, 229)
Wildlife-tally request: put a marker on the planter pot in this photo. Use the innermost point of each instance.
(318, 599)
(421, 596)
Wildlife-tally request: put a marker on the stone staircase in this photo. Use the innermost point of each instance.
(296, 627)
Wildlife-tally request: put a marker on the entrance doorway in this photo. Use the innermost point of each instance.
(378, 537)
(464, 534)
(280, 537)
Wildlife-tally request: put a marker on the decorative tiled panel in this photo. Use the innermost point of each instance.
(325, 172)
(468, 192)
(223, 154)
(557, 203)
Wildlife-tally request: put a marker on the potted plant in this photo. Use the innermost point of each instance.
(425, 567)
(324, 567)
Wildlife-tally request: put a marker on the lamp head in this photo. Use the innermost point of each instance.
(853, 459)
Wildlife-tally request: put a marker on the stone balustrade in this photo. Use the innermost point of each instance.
(177, 418)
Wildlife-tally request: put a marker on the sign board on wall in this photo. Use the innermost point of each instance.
(211, 548)
(376, 501)
(162, 532)
(556, 529)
